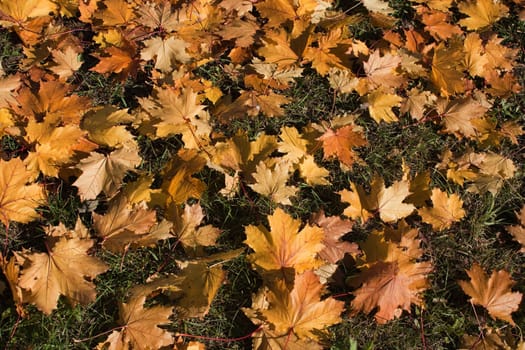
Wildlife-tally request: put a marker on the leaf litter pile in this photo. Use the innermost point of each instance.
(217, 84)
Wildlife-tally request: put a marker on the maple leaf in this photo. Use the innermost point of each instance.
(272, 182)
(167, 52)
(284, 246)
(381, 71)
(238, 153)
(66, 270)
(391, 280)
(518, 231)
(187, 229)
(417, 103)
(279, 49)
(67, 61)
(475, 57)
(313, 173)
(301, 310)
(53, 103)
(158, 16)
(139, 327)
(388, 201)
(28, 17)
(446, 210)
(380, 105)
(493, 170)
(123, 224)
(339, 142)
(482, 13)
(436, 23)
(18, 200)
(102, 173)
(104, 126)
(493, 293)
(115, 13)
(334, 228)
(8, 86)
(199, 282)
(179, 183)
(358, 201)
(241, 30)
(292, 144)
(329, 51)
(458, 116)
(11, 270)
(116, 60)
(447, 67)
(176, 112)
(54, 146)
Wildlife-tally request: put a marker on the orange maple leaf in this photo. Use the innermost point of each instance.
(339, 142)
(493, 293)
(518, 231)
(391, 280)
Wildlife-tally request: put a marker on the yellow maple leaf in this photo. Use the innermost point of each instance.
(284, 246)
(388, 201)
(482, 13)
(380, 105)
(123, 224)
(54, 146)
(459, 114)
(328, 53)
(381, 71)
(445, 211)
(28, 17)
(167, 52)
(67, 61)
(18, 200)
(104, 126)
(301, 310)
(191, 234)
(115, 13)
(272, 182)
(313, 173)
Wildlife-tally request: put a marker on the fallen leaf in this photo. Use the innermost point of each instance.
(518, 231)
(445, 211)
(493, 293)
(102, 173)
(66, 270)
(284, 246)
(139, 327)
(18, 200)
(272, 182)
(481, 13)
(391, 279)
(334, 228)
(301, 310)
(340, 143)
